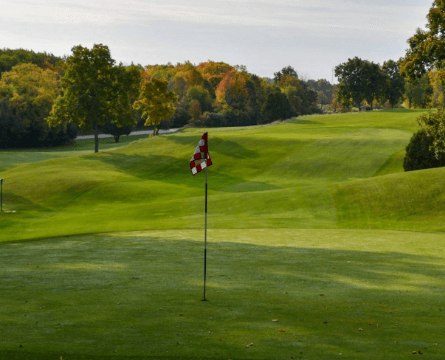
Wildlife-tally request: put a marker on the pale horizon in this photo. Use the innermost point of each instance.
(263, 35)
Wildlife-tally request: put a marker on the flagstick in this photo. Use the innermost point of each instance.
(205, 238)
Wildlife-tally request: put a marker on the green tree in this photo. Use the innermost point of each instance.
(155, 102)
(395, 84)
(426, 51)
(309, 99)
(324, 90)
(295, 99)
(201, 95)
(256, 94)
(427, 47)
(195, 110)
(359, 80)
(126, 83)
(302, 99)
(27, 93)
(418, 92)
(199, 101)
(239, 97)
(11, 57)
(437, 81)
(276, 107)
(88, 90)
(434, 125)
(286, 77)
(288, 82)
(420, 154)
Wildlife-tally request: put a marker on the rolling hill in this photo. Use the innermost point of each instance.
(320, 246)
(312, 172)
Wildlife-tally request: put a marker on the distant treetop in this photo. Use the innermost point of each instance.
(11, 57)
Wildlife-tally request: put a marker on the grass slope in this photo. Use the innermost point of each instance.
(286, 175)
(413, 201)
(307, 257)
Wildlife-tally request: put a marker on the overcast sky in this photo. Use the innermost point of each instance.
(313, 36)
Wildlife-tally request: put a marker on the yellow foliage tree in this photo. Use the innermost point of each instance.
(155, 102)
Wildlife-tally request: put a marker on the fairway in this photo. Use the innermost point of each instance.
(320, 246)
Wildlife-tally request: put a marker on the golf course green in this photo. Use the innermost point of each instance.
(320, 246)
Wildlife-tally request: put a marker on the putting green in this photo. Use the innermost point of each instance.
(273, 293)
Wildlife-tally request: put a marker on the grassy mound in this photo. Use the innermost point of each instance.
(304, 258)
(285, 175)
(413, 200)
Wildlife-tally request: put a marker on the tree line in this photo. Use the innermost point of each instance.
(29, 84)
(363, 84)
(46, 100)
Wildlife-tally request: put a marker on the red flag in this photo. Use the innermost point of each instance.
(201, 158)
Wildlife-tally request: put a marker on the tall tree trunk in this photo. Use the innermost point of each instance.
(442, 100)
(96, 138)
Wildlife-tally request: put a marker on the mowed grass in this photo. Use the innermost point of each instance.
(272, 294)
(290, 175)
(320, 247)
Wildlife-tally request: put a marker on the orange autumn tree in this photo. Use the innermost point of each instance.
(213, 72)
(231, 93)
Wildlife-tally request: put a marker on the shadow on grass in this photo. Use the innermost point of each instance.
(145, 167)
(137, 297)
(219, 145)
(161, 167)
(299, 120)
(15, 202)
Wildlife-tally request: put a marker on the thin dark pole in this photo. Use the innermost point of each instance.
(1, 195)
(205, 238)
